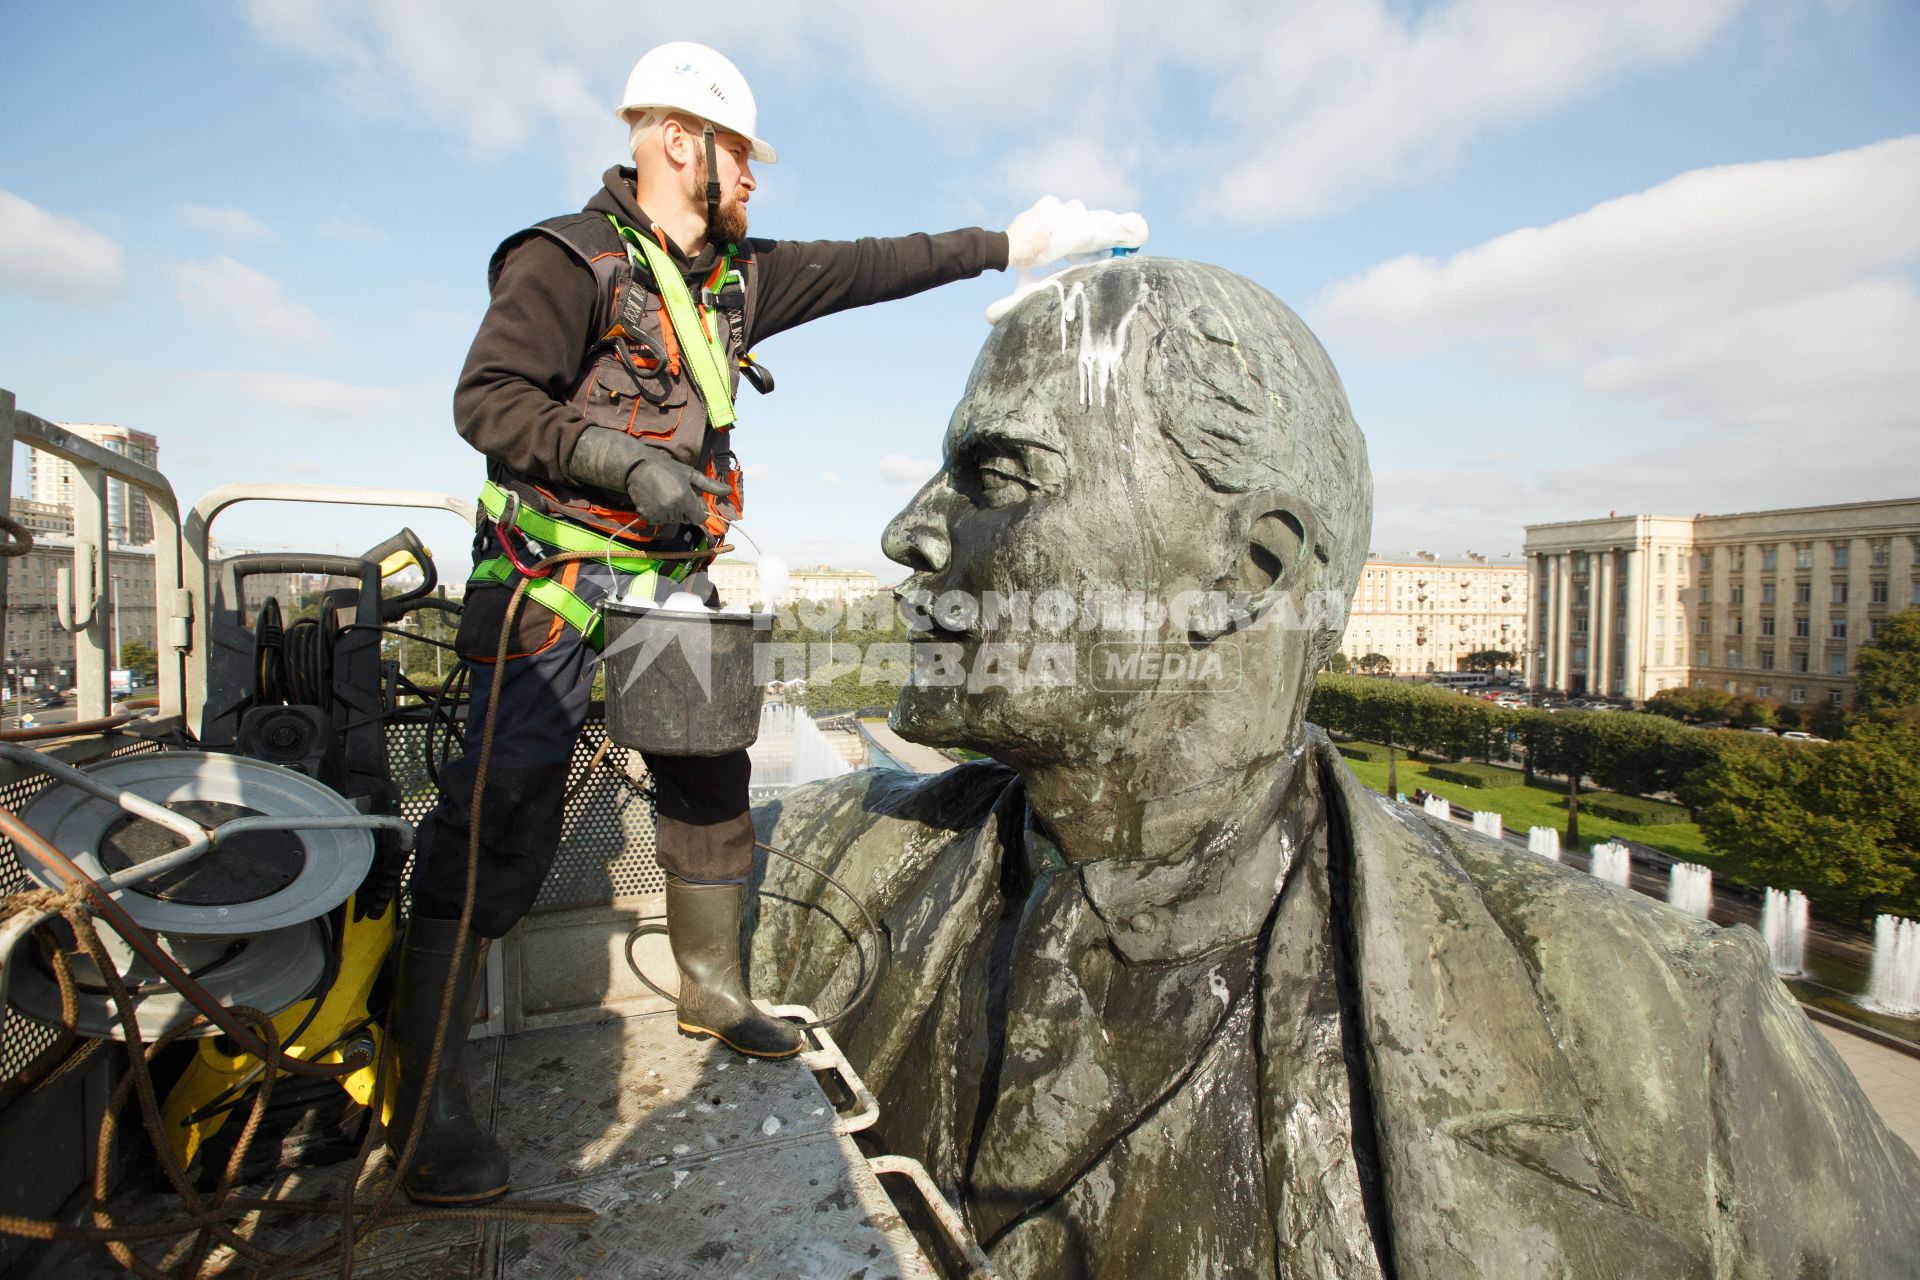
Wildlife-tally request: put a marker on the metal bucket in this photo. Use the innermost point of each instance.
(682, 683)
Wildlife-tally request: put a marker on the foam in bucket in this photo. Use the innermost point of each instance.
(683, 602)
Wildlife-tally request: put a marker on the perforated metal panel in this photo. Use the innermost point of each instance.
(22, 1038)
(607, 833)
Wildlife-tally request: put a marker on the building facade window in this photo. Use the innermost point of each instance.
(1802, 629)
(1733, 659)
(1706, 562)
(1706, 595)
(1842, 555)
(1768, 593)
(1796, 694)
(1839, 592)
(1766, 626)
(1700, 627)
(1769, 559)
(1800, 664)
(1736, 626)
(1879, 554)
(1701, 658)
(1876, 594)
(1836, 699)
(1836, 664)
(1763, 691)
(1736, 595)
(1803, 555)
(1837, 629)
(1803, 593)
(1766, 659)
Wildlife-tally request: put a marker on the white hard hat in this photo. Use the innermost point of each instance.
(689, 77)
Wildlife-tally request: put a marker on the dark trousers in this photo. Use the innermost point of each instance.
(704, 830)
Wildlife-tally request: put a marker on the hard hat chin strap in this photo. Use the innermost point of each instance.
(713, 182)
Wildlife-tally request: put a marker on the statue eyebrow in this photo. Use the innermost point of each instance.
(1004, 431)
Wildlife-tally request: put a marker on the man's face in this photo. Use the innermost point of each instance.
(732, 153)
(1061, 499)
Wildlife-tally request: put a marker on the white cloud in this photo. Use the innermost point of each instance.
(250, 300)
(1693, 248)
(53, 256)
(1766, 313)
(1312, 105)
(830, 480)
(226, 224)
(308, 396)
(1340, 100)
(903, 472)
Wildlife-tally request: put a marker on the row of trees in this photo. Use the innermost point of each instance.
(1839, 821)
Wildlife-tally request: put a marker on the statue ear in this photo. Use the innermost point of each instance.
(1269, 564)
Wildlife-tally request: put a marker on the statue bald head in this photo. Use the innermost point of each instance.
(1155, 428)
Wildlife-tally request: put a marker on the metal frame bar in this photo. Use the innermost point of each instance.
(196, 539)
(92, 570)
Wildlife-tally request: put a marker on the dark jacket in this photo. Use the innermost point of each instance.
(530, 352)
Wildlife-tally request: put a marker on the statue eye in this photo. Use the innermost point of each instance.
(1004, 480)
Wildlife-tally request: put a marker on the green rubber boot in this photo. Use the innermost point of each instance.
(703, 925)
(456, 1161)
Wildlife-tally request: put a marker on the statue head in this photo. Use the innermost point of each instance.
(1143, 539)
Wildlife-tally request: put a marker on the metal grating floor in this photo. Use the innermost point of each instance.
(701, 1164)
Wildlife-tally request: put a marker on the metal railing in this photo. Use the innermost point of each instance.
(83, 602)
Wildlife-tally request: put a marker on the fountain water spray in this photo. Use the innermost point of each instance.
(791, 750)
(1544, 841)
(1611, 862)
(1487, 823)
(1438, 807)
(1894, 984)
(1783, 923)
(1690, 888)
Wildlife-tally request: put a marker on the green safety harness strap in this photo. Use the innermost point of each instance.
(706, 354)
(548, 592)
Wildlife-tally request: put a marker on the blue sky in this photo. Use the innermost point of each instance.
(1569, 258)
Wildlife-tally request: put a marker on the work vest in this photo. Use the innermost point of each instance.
(635, 377)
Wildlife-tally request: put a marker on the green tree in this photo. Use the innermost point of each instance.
(1693, 706)
(1375, 664)
(140, 659)
(1490, 659)
(1840, 822)
(1754, 713)
(1886, 673)
(1828, 721)
(1338, 664)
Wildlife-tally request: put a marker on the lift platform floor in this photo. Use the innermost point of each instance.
(698, 1162)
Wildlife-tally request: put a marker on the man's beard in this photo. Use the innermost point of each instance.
(728, 225)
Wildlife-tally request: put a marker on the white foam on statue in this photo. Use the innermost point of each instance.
(791, 750)
(1893, 984)
(1783, 923)
(1690, 888)
(1544, 841)
(1611, 862)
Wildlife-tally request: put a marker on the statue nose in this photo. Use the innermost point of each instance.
(917, 537)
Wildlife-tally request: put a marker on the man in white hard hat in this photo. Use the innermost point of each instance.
(601, 389)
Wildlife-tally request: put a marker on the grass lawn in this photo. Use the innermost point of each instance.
(1523, 807)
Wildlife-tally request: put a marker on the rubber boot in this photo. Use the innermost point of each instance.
(456, 1160)
(703, 926)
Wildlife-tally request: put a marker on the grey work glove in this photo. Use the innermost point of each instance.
(660, 488)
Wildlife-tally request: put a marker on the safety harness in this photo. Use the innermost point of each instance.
(704, 352)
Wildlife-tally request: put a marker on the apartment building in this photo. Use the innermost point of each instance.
(1770, 604)
(1426, 613)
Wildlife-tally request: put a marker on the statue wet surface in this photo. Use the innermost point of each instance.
(1165, 992)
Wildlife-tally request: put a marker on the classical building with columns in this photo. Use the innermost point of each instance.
(1427, 613)
(1771, 604)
